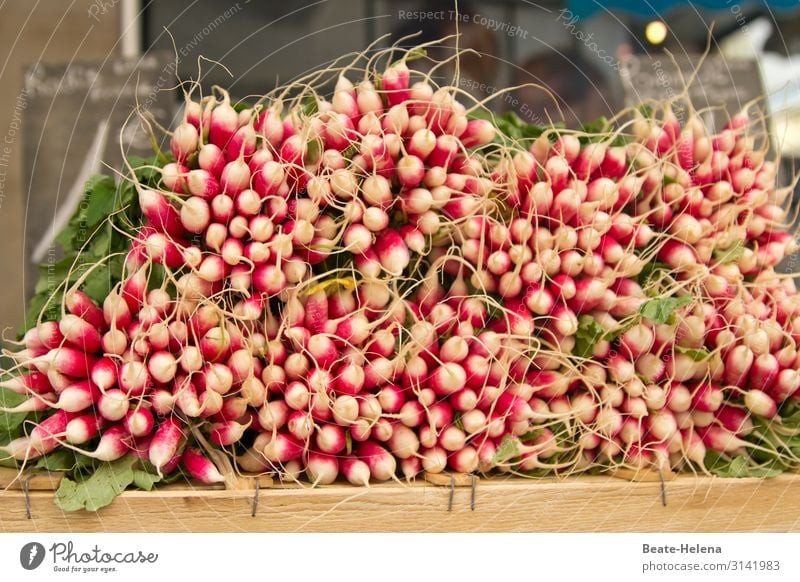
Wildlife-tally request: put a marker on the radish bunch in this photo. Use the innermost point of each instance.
(662, 250)
(384, 283)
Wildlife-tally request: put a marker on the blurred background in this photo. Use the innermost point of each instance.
(73, 71)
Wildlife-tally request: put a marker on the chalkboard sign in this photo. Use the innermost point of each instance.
(76, 118)
(722, 84)
(726, 85)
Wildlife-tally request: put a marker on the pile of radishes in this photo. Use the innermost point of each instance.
(382, 284)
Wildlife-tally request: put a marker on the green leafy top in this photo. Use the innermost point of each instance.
(100, 489)
(660, 310)
(729, 255)
(696, 354)
(589, 333)
(510, 125)
(651, 271)
(10, 424)
(96, 233)
(600, 130)
(507, 450)
(599, 125)
(790, 413)
(310, 107)
(739, 467)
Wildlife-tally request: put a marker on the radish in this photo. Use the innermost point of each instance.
(160, 214)
(20, 449)
(184, 141)
(200, 467)
(322, 469)
(223, 122)
(720, 439)
(760, 403)
(81, 305)
(448, 378)
(165, 443)
(381, 464)
(82, 429)
(66, 360)
(139, 422)
(392, 252)
(34, 382)
(112, 446)
(113, 405)
(356, 471)
(44, 436)
(330, 439)
(78, 397)
(282, 448)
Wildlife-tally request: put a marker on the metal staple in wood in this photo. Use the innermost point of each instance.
(452, 493)
(255, 499)
(472, 493)
(25, 490)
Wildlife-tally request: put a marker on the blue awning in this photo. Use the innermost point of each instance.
(648, 9)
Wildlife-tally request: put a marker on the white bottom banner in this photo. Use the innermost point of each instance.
(401, 557)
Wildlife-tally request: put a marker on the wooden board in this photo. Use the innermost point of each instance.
(11, 479)
(585, 504)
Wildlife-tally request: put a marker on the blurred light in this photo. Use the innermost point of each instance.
(656, 32)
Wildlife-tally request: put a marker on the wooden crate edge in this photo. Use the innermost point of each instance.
(578, 504)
